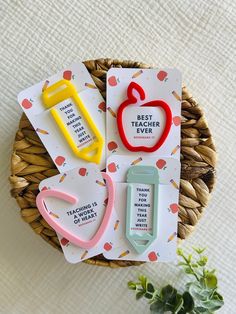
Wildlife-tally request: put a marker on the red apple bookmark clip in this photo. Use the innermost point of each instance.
(131, 100)
(66, 233)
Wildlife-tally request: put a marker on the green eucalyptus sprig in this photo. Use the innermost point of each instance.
(200, 295)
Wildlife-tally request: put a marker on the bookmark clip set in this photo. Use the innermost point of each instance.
(68, 120)
(63, 90)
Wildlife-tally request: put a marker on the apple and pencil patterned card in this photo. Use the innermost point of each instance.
(68, 113)
(83, 218)
(145, 119)
(130, 211)
(163, 247)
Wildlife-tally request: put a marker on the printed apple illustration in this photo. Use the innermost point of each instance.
(176, 120)
(112, 167)
(112, 81)
(112, 145)
(174, 208)
(64, 241)
(161, 75)
(105, 201)
(132, 100)
(67, 75)
(161, 163)
(107, 246)
(102, 106)
(152, 256)
(26, 104)
(44, 188)
(82, 171)
(60, 160)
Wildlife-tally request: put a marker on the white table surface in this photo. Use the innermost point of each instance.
(38, 38)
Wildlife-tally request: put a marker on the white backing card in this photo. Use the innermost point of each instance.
(163, 249)
(144, 125)
(84, 217)
(61, 153)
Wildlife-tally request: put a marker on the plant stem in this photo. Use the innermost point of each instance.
(189, 265)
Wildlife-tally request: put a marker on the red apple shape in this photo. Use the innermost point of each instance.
(130, 101)
(160, 163)
(174, 208)
(152, 256)
(67, 75)
(26, 104)
(176, 120)
(82, 171)
(102, 106)
(59, 160)
(112, 167)
(107, 246)
(161, 75)
(112, 145)
(64, 241)
(112, 81)
(44, 188)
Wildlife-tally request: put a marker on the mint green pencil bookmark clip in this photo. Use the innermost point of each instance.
(140, 236)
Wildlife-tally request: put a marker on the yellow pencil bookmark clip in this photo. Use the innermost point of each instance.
(59, 92)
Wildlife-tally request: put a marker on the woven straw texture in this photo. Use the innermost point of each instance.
(31, 164)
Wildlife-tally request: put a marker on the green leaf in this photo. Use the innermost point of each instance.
(203, 261)
(188, 302)
(199, 250)
(157, 307)
(188, 271)
(150, 287)
(190, 258)
(211, 281)
(217, 296)
(200, 309)
(139, 295)
(212, 305)
(179, 252)
(196, 291)
(189, 284)
(179, 303)
(131, 285)
(168, 292)
(148, 295)
(143, 281)
(169, 307)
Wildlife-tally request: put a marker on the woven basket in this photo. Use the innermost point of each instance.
(31, 164)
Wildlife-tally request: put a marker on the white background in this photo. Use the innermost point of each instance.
(38, 38)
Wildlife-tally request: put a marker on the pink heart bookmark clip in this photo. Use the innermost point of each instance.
(73, 200)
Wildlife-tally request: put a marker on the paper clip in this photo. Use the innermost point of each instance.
(59, 92)
(75, 239)
(131, 100)
(144, 175)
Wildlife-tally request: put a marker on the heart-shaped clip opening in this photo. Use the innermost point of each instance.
(75, 239)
